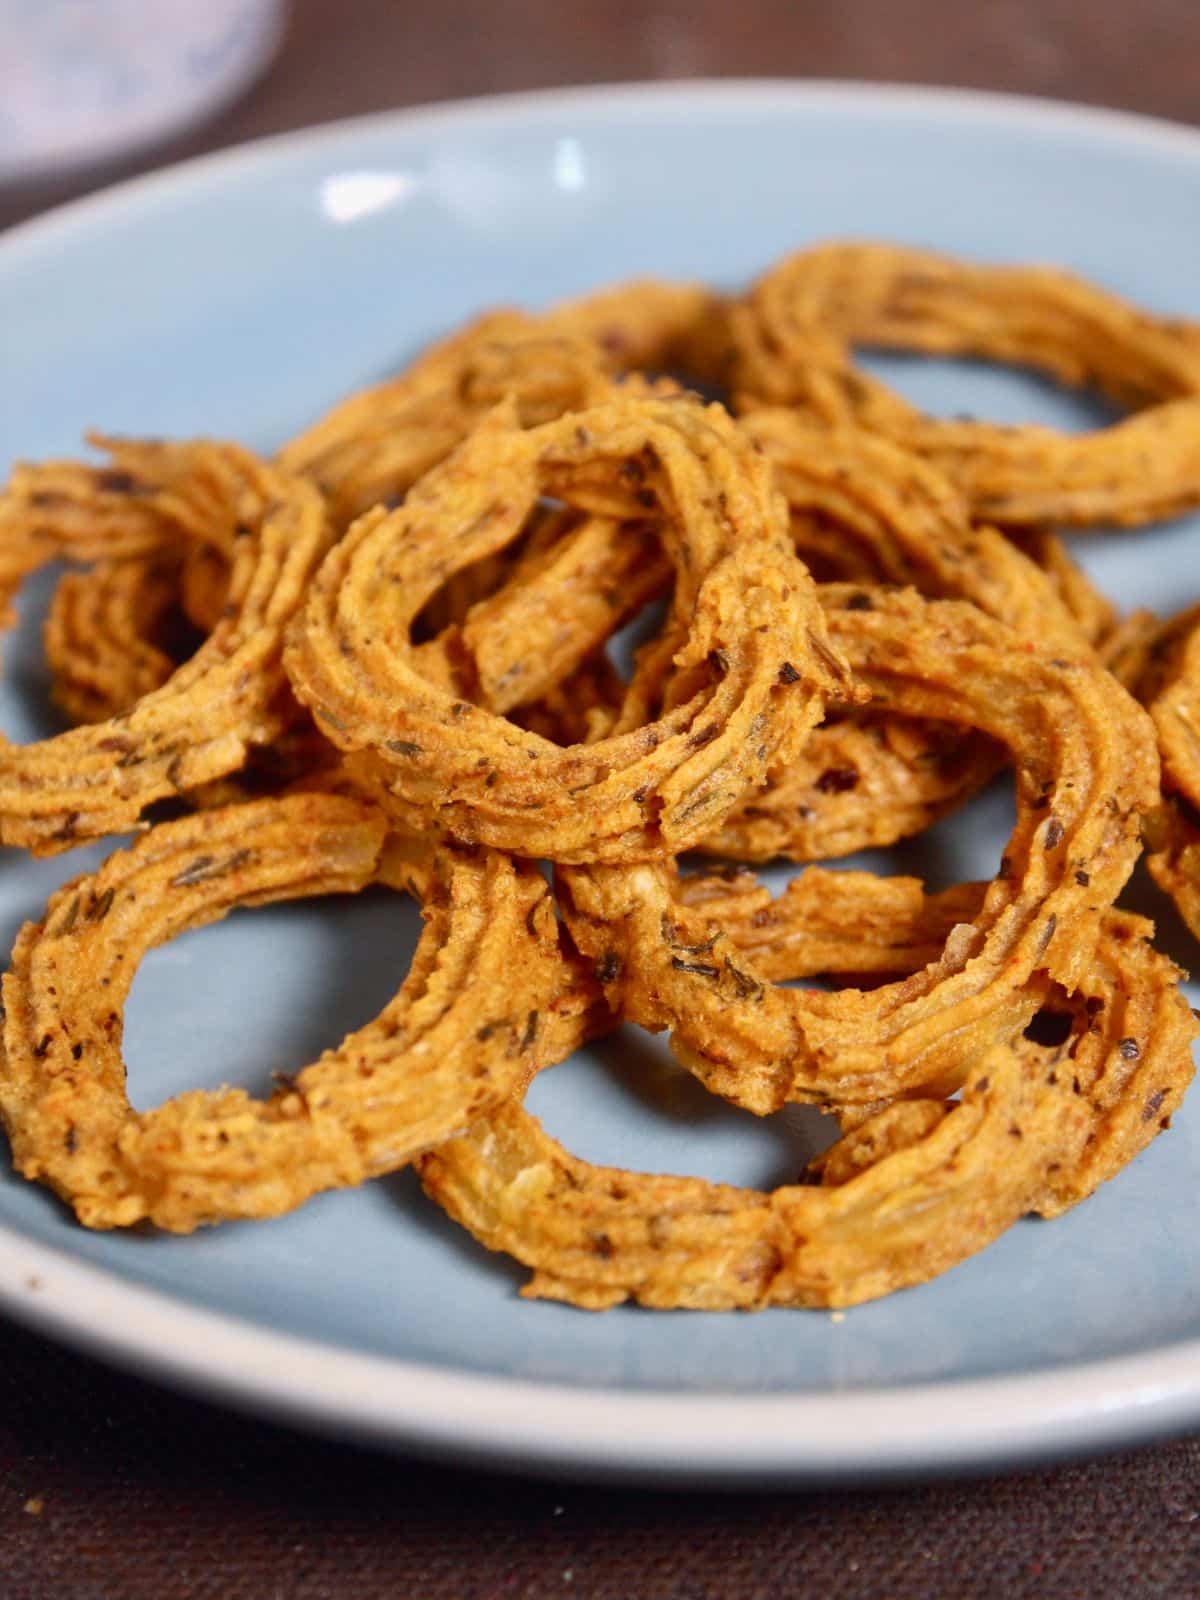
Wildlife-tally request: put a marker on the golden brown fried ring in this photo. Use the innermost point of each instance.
(643, 324)
(1163, 660)
(68, 510)
(557, 605)
(99, 632)
(1130, 649)
(1127, 1043)
(860, 783)
(229, 697)
(595, 1236)
(861, 508)
(831, 921)
(488, 1001)
(1130, 1052)
(1086, 769)
(873, 511)
(374, 445)
(203, 586)
(752, 666)
(791, 347)
(916, 1187)
(1093, 611)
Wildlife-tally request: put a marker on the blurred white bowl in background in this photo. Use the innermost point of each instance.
(86, 81)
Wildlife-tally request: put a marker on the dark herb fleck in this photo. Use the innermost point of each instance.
(700, 968)
(748, 988)
(205, 867)
(837, 780)
(670, 937)
(788, 673)
(1151, 1108)
(1130, 1049)
(101, 906)
(608, 967)
(115, 481)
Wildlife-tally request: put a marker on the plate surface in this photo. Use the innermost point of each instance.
(241, 294)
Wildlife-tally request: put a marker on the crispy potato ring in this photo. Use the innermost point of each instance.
(1130, 1033)
(68, 510)
(375, 444)
(203, 586)
(489, 1000)
(860, 783)
(99, 635)
(791, 340)
(905, 1194)
(869, 510)
(231, 695)
(596, 1236)
(554, 608)
(1093, 612)
(1162, 662)
(1086, 769)
(863, 508)
(752, 666)
(827, 921)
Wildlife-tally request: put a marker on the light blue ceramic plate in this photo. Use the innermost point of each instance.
(239, 296)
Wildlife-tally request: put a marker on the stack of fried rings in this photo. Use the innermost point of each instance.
(382, 659)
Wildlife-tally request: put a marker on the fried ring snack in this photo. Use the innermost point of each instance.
(861, 508)
(861, 782)
(1129, 1030)
(752, 666)
(915, 1188)
(1166, 673)
(375, 444)
(488, 1001)
(66, 510)
(203, 586)
(791, 339)
(1094, 612)
(1086, 769)
(229, 697)
(596, 1236)
(865, 509)
(100, 632)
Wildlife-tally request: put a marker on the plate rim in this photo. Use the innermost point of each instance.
(727, 1437)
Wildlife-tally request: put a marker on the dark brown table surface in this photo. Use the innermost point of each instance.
(112, 1488)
